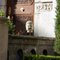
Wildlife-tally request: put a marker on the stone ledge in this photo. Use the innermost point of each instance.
(30, 37)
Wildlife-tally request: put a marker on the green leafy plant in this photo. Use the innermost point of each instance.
(57, 42)
(7, 21)
(41, 57)
(2, 13)
(10, 25)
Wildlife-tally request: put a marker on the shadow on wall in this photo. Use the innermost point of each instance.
(8, 55)
(11, 4)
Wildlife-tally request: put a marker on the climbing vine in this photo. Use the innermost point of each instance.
(57, 42)
(9, 24)
(7, 21)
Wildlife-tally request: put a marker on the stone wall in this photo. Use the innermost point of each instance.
(3, 32)
(3, 40)
(27, 43)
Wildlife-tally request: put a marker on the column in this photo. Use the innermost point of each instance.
(3, 33)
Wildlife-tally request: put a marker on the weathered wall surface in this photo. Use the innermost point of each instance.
(44, 18)
(3, 33)
(27, 43)
(3, 40)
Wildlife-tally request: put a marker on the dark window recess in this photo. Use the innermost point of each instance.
(33, 51)
(45, 52)
(19, 54)
(23, 10)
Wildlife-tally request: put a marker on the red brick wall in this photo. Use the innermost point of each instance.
(20, 17)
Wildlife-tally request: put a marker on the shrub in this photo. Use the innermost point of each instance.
(41, 57)
(2, 13)
(57, 42)
(9, 24)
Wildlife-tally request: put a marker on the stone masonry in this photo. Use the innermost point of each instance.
(27, 43)
(3, 40)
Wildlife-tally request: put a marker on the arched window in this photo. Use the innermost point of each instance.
(45, 52)
(20, 54)
(33, 51)
(8, 55)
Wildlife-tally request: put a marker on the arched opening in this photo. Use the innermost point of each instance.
(20, 54)
(33, 51)
(45, 52)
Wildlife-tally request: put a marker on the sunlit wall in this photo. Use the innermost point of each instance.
(44, 18)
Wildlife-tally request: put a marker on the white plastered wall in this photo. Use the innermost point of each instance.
(44, 21)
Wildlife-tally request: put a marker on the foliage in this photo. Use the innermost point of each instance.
(7, 21)
(41, 57)
(10, 25)
(2, 13)
(57, 42)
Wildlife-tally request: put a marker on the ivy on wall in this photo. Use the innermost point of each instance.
(57, 42)
(2, 13)
(7, 21)
(9, 24)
